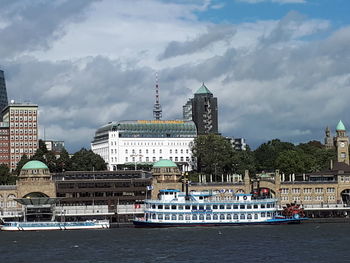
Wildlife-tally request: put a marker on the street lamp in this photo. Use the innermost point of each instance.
(134, 156)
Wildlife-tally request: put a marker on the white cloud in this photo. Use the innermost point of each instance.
(272, 78)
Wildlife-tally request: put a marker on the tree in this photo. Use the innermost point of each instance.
(291, 161)
(40, 152)
(21, 163)
(64, 163)
(244, 160)
(5, 176)
(87, 160)
(267, 153)
(214, 154)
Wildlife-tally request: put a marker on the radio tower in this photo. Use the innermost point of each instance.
(157, 108)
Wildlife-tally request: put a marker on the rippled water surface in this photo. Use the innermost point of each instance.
(286, 243)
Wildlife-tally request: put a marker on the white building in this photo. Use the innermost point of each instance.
(142, 141)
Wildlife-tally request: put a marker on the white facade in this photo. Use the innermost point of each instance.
(120, 146)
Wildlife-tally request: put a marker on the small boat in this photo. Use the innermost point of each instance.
(179, 209)
(54, 225)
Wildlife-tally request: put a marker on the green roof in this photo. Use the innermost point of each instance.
(203, 90)
(34, 165)
(164, 163)
(340, 126)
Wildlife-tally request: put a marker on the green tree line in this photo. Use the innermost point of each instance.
(215, 155)
(82, 160)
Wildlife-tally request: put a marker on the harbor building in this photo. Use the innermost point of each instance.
(203, 110)
(19, 133)
(145, 141)
(39, 195)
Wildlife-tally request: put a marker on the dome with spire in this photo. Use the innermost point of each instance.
(340, 126)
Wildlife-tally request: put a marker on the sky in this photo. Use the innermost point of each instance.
(279, 68)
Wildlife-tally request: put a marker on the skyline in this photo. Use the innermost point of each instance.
(279, 68)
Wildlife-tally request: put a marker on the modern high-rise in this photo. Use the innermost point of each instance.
(3, 93)
(18, 133)
(203, 110)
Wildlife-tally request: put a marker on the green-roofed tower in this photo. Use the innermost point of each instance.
(340, 126)
(203, 90)
(203, 110)
(341, 141)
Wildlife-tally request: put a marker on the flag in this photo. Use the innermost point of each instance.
(149, 187)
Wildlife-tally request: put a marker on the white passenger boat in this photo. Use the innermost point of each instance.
(54, 225)
(175, 208)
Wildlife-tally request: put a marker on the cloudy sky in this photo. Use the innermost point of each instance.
(279, 68)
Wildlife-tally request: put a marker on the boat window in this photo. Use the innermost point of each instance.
(153, 206)
(207, 217)
(272, 205)
(187, 207)
(242, 206)
(235, 206)
(229, 216)
(256, 216)
(173, 207)
(153, 216)
(160, 216)
(263, 214)
(194, 217)
(201, 198)
(201, 217)
(208, 207)
(201, 207)
(249, 216)
(160, 206)
(255, 206)
(235, 216)
(242, 216)
(268, 214)
(262, 205)
(222, 206)
(173, 217)
(167, 207)
(249, 206)
(194, 207)
(181, 217)
(188, 217)
(167, 217)
(222, 216)
(181, 207)
(268, 205)
(215, 206)
(215, 217)
(228, 206)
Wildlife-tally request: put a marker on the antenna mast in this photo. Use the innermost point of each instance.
(157, 108)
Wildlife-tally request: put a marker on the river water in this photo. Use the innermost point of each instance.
(284, 243)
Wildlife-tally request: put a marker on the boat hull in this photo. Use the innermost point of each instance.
(276, 221)
(47, 226)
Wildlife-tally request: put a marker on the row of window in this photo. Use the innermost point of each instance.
(209, 217)
(211, 207)
(23, 131)
(133, 151)
(21, 124)
(13, 144)
(16, 138)
(154, 159)
(23, 111)
(308, 198)
(318, 190)
(153, 143)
